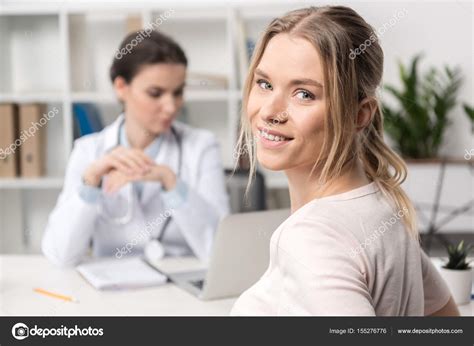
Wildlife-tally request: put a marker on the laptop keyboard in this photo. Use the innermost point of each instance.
(198, 283)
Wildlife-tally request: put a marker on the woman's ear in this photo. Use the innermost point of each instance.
(367, 108)
(121, 88)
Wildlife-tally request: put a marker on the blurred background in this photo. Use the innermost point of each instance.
(55, 57)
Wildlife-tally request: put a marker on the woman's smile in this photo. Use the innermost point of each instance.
(271, 139)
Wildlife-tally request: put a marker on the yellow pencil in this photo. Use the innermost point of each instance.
(55, 295)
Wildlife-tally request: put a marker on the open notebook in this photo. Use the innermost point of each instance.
(118, 274)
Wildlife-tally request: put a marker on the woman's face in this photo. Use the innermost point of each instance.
(287, 100)
(154, 96)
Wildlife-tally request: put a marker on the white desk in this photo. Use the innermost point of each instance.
(20, 274)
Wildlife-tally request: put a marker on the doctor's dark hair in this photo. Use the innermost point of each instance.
(141, 48)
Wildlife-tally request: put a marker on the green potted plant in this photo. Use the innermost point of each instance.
(470, 114)
(469, 153)
(457, 272)
(417, 113)
(423, 104)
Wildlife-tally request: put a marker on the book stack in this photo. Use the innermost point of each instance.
(22, 139)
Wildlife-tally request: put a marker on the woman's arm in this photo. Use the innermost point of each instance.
(450, 309)
(436, 291)
(321, 278)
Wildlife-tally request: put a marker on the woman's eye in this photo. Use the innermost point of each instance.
(305, 95)
(155, 94)
(263, 84)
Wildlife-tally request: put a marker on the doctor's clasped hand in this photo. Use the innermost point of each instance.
(124, 165)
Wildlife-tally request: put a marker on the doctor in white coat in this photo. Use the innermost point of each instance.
(147, 183)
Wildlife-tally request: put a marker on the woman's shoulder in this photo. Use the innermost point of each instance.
(315, 226)
(315, 243)
(325, 217)
(330, 229)
(91, 144)
(91, 139)
(350, 213)
(95, 144)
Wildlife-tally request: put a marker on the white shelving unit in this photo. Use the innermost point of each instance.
(31, 183)
(60, 54)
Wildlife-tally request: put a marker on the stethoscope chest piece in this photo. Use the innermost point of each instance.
(154, 251)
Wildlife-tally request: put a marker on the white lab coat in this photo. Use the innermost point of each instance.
(75, 223)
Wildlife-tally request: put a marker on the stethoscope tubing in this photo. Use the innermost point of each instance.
(129, 214)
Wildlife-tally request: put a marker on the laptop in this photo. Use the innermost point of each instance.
(240, 256)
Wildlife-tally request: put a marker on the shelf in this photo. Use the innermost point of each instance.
(43, 97)
(268, 13)
(31, 183)
(31, 54)
(207, 45)
(28, 10)
(183, 11)
(189, 95)
(206, 95)
(271, 181)
(93, 97)
(200, 15)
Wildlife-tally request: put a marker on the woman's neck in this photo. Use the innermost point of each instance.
(138, 138)
(304, 188)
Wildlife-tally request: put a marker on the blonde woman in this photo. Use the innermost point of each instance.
(350, 246)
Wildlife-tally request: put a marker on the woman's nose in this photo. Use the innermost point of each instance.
(274, 111)
(169, 105)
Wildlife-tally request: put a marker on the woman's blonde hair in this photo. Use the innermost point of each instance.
(352, 62)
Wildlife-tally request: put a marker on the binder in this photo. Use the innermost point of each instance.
(33, 132)
(87, 119)
(9, 150)
(134, 24)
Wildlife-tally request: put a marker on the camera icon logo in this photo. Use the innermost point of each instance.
(20, 331)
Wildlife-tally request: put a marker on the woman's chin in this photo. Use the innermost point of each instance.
(270, 163)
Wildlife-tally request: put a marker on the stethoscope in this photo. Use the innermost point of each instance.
(154, 249)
